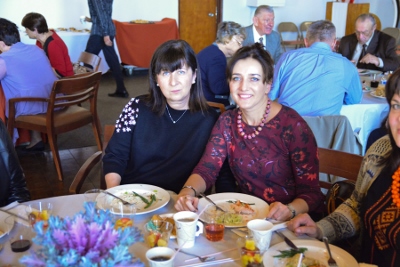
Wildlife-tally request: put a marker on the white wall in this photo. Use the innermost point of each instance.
(66, 13)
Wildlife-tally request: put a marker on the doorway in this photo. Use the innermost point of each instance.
(198, 21)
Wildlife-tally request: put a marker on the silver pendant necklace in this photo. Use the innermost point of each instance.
(171, 116)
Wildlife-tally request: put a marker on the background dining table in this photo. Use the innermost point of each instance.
(71, 204)
(368, 114)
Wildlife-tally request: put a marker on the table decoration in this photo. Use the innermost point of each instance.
(86, 239)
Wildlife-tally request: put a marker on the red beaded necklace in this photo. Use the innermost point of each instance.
(258, 128)
(396, 187)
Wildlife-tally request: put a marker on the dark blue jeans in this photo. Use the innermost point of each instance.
(94, 45)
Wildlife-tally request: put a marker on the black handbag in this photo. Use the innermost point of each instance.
(339, 192)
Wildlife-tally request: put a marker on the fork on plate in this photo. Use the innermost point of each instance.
(331, 261)
(202, 259)
(123, 201)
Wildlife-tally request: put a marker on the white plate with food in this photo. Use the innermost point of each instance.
(316, 251)
(377, 96)
(147, 198)
(242, 208)
(4, 227)
(368, 72)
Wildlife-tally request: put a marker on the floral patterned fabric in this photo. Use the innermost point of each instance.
(280, 164)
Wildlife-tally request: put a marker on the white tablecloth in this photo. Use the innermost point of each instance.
(71, 204)
(76, 43)
(366, 116)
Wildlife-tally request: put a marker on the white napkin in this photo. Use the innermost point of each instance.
(20, 210)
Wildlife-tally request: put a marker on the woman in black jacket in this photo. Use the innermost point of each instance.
(12, 178)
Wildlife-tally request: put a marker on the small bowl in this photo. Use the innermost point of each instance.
(249, 253)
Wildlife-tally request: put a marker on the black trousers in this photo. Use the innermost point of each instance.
(94, 45)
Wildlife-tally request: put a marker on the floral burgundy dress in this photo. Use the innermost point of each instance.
(280, 164)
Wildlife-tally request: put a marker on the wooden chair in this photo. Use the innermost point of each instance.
(88, 59)
(394, 32)
(290, 27)
(63, 113)
(303, 29)
(338, 163)
(90, 163)
(219, 106)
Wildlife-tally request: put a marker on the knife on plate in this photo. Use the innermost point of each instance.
(287, 241)
(212, 202)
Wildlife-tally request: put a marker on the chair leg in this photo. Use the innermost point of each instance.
(56, 155)
(97, 133)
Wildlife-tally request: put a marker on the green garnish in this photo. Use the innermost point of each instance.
(152, 199)
(290, 253)
(141, 197)
(241, 202)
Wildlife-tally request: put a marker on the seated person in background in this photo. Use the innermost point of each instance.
(271, 151)
(160, 137)
(212, 62)
(12, 178)
(380, 48)
(25, 71)
(314, 80)
(262, 32)
(54, 47)
(373, 210)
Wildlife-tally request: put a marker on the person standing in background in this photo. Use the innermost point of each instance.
(101, 38)
(36, 28)
(262, 32)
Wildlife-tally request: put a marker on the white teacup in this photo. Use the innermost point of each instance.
(261, 230)
(186, 223)
(160, 257)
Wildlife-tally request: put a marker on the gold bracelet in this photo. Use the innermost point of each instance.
(191, 187)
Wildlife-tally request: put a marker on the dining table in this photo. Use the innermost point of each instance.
(69, 205)
(369, 113)
(138, 41)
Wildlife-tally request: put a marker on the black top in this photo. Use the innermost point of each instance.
(150, 149)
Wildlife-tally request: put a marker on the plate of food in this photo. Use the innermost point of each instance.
(4, 227)
(377, 95)
(368, 72)
(241, 208)
(147, 198)
(315, 254)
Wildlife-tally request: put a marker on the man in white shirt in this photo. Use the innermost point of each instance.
(369, 48)
(261, 31)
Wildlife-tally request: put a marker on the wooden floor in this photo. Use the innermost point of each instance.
(41, 175)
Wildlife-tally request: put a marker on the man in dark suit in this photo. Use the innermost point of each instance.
(261, 32)
(370, 48)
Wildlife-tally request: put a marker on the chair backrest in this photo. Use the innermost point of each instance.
(338, 163)
(90, 164)
(304, 27)
(394, 32)
(74, 91)
(378, 21)
(90, 59)
(220, 106)
(288, 27)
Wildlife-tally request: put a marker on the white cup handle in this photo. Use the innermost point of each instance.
(199, 228)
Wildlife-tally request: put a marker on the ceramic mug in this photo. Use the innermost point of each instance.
(187, 226)
(261, 230)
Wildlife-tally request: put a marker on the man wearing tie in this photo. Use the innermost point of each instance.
(261, 32)
(370, 48)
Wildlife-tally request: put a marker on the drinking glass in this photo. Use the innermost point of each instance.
(123, 215)
(214, 225)
(39, 211)
(249, 253)
(157, 234)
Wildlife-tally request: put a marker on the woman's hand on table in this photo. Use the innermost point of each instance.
(279, 212)
(186, 202)
(303, 224)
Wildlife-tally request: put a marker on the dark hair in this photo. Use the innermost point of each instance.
(393, 87)
(9, 33)
(257, 52)
(171, 56)
(34, 21)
